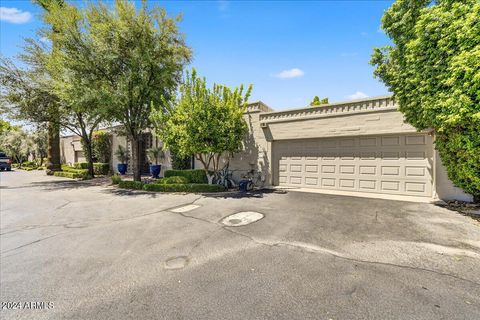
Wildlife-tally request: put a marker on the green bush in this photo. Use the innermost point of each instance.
(116, 179)
(27, 168)
(126, 184)
(72, 175)
(78, 173)
(101, 146)
(80, 165)
(101, 168)
(192, 187)
(28, 164)
(173, 180)
(193, 175)
(179, 162)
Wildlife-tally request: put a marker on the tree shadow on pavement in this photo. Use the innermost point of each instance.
(129, 192)
(239, 194)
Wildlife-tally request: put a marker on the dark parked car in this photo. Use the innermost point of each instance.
(5, 162)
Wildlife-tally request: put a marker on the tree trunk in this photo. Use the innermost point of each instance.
(209, 177)
(88, 145)
(53, 155)
(136, 166)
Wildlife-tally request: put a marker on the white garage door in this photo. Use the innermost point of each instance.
(391, 164)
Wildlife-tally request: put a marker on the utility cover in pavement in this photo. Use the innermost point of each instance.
(242, 218)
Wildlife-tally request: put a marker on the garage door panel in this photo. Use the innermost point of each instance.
(328, 182)
(311, 181)
(391, 164)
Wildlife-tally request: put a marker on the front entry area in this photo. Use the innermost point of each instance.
(387, 164)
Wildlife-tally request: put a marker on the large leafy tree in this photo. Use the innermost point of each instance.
(6, 126)
(17, 144)
(53, 154)
(128, 59)
(433, 69)
(205, 122)
(42, 92)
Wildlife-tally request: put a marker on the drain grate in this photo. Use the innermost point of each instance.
(241, 218)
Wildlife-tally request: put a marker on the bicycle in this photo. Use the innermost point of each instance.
(251, 180)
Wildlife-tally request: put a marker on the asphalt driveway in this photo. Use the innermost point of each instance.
(96, 252)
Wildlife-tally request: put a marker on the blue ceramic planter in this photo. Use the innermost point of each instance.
(155, 170)
(122, 168)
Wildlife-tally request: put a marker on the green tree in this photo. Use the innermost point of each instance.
(16, 144)
(204, 122)
(25, 94)
(127, 58)
(433, 69)
(53, 156)
(83, 106)
(6, 126)
(316, 101)
(44, 87)
(102, 146)
(40, 144)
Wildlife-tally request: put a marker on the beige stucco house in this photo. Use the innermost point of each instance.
(358, 147)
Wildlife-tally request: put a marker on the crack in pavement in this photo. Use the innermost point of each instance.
(30, 243)
(85, 225)
(309, 248)
(304, 247)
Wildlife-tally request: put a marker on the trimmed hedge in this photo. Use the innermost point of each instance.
(173, 180)
(191, 187)
(126, 184)
(100, 168)
(80, 165)
(193, 175)
(72, 175)
(75, 173)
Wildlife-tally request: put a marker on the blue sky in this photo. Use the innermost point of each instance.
(289, 50)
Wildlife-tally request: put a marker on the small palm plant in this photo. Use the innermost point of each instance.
(122, 154)
(155, 155)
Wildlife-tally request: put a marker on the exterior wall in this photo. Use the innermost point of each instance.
(378, 117)
(256, 154)
(70, 149)
(71, 146)
(117, 141)
(444, 187)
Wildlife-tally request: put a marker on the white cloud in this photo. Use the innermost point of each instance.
(288, 74)
(357, 95)
(14, 15)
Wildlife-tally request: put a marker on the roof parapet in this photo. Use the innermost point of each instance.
(332, 109)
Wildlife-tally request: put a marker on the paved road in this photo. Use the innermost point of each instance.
(96, 252)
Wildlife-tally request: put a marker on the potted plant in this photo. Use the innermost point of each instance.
(122, 156)
(154, 155)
